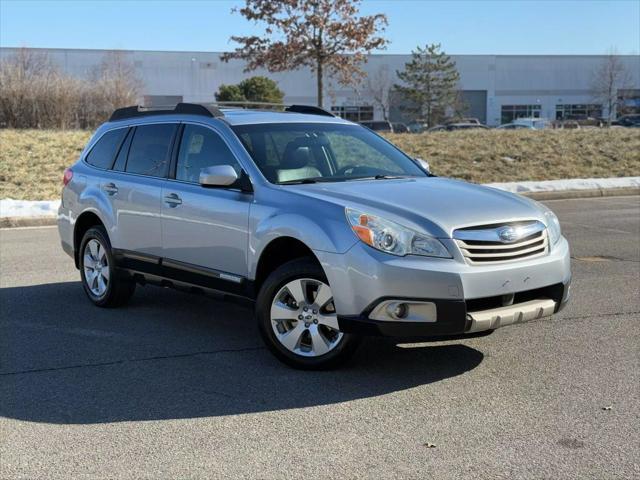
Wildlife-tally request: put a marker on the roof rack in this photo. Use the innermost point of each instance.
(309, 109)
(211, 110)
(184, 108)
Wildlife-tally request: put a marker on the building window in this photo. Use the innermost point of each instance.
(513, 112)
(354, 114)
(578, 111)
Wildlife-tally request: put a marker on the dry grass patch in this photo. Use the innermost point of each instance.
(503, 156)
(32, 161)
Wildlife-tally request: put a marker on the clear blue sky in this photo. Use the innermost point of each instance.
(473, 27)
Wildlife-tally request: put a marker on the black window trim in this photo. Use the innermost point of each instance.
(240, 186)
(171, 146)
(86, 155)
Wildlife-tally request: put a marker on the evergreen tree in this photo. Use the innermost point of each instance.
(430, 83)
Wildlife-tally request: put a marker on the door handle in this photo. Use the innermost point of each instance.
(173, 200)
(110, 188)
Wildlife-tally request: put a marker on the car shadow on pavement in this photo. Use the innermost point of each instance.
(170, 355)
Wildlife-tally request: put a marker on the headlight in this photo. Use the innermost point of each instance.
(390, 237)
(553, 226)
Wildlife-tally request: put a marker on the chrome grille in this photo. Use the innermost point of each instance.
(509, 242)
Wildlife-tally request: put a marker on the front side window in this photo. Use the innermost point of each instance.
(105, 150)
(149, 151)
(201, 147)
(294, 152)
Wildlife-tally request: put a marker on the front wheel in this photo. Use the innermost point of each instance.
(298, 320)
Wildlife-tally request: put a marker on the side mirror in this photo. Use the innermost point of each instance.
(423, 164)
(218, 176)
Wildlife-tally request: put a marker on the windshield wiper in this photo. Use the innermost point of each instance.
(300, 181)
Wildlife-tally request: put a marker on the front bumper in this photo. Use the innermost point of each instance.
(363, 277)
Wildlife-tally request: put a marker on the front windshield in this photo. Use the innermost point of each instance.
(322, 152)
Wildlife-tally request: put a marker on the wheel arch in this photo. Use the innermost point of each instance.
(84, 222)
(278, 252)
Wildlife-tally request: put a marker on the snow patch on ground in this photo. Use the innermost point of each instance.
(28, 208)
(569, 184)
(49, 208)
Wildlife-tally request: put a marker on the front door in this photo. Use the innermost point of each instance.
(204, 229)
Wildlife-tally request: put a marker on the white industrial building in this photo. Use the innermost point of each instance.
(497, 88)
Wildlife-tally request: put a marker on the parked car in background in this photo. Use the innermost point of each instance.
(378, 126)
(333, 232)
(451, 121)
(514, 126)
(537, 123)
(399, 128)
(631, 120)
(457, 126)
(417, 127)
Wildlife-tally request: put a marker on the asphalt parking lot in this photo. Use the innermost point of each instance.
(180, 386)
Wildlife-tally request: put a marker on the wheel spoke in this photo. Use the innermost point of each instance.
(101, 254)
(88, 261)
(94, 281)
(319, 344)
(330, 320)
(105, 273)
(291, 339)
(101, 285)
(89, 275)
(323, 295)
(297, 291)
(279, 311)
(93, 248)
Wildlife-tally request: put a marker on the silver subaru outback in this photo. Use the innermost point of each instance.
(332, 231)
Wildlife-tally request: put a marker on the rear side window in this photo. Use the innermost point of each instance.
(200, 148)
(149, 152)
(105, 150)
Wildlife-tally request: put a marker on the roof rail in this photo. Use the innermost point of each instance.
(308, 109)
(184, 108)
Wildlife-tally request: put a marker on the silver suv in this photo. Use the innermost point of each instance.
(331, 230)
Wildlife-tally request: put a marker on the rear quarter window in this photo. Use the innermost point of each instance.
(104, 151)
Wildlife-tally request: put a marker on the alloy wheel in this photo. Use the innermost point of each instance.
(96, 267)
(304, 319)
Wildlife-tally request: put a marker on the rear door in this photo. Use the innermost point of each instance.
(204, 229)
(135, 188)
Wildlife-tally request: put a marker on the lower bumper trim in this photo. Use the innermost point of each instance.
(508, 315)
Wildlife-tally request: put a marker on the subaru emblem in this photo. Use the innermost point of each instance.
(508, 234)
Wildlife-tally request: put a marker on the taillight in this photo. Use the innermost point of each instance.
(68, 175)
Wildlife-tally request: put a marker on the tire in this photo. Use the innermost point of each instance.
(306, 335)
(103, 284)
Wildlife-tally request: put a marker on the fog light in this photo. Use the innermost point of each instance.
(404, 311)
(398, 310)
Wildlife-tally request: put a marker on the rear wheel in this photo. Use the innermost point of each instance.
(298, 320)
(102, 283)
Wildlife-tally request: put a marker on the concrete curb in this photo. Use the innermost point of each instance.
(586, 193)
(11, 222)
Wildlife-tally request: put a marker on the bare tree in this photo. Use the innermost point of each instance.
(116, 81)
(379, 84)
(610, 80)
(34, 93)
(324, 35)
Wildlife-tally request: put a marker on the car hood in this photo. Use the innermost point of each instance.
(434, 205)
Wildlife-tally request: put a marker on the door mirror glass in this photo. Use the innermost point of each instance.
(218, 176)
(423, 164)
